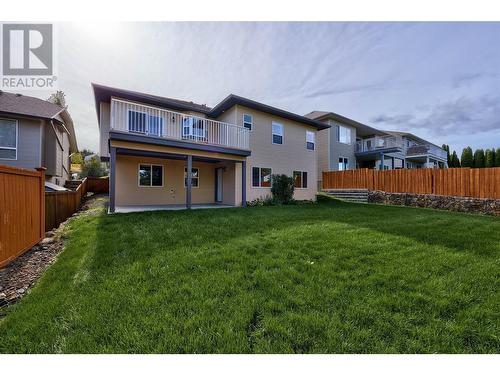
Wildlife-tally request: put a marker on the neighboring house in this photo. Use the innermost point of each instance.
(35, 133)
(155, 144)
(348, 144)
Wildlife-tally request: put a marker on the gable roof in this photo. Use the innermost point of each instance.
(104, 93)
(232, 100)
(29, 106)
(361, 129)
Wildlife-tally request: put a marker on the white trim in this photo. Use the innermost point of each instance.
(302, 179)
(282, 135)
(343, 157)
(251, 176)
(251, 121)
(313, 142)
(184, 178)
(151, 180)
(17, 138)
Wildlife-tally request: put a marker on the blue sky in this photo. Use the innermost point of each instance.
(438, 80)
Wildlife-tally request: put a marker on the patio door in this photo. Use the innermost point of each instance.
(218, 184)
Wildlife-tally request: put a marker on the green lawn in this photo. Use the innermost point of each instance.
(318, 278)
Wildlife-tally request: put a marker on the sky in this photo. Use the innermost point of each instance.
(439, 81)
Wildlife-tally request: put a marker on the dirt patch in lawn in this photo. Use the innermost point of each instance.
(21, 274)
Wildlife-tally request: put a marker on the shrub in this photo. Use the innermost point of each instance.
(92, 168)
(282, 188)
(267, 201)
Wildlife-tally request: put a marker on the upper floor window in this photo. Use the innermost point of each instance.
(143, 122)
(300, 179)
(193, 128)
(8, 139)
(343, 164)
(310, 140)
(343, 134)
(150, 175)
(247, 121)
(277, 133)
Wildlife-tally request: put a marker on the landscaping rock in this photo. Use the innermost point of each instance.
(442, 202)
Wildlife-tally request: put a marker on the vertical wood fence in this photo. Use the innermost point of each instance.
(461, 182)
(59, 205)
(98, 185)
(22, 204)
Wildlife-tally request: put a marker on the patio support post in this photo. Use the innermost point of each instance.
(243, 183)
(112, 178)
(382, 161)
(427, 161)
(189, 181)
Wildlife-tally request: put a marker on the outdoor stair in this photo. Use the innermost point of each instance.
(350, 195)
(72, 184)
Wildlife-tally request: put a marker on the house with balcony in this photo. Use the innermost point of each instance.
(349, 144)
(166, 153)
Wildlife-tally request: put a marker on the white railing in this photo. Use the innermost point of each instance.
(152, 121)
(377, 143)
(427, 149)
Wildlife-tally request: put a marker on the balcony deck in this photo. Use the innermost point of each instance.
(154, 122)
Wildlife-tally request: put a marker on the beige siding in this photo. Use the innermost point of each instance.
(323, 143)
(291, 156)
(128, 191)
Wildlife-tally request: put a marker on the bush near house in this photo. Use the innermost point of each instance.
(92, 168)
(282, 188)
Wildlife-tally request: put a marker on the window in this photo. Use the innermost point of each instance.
(150, 175)
(343, 134)
(8, 139)
(248, 121)
(300, 179)
(277, 133)
(343, 164)
(142, 122)
(261, 177)
(310, 140)
(193, 128)
(195, 177)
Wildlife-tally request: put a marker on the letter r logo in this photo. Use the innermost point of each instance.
(27, 49)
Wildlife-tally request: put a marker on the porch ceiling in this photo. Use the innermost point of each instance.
(165, 155)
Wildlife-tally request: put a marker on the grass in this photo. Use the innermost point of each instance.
(323, 278)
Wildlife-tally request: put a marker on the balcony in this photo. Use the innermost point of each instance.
(431, 150)
(156, 122)
(377, 144)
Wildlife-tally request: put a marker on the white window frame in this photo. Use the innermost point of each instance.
(301, 179)
(17, 138)
(308, 132)
(151, 180)
(248, 122)
(282, 135)
(148, 116)
(198, 178)
(343, 163)
(260, 182)
(339, 127)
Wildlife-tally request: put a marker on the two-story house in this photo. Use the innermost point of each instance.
(349, 144)
(36, 133)
(166, 153)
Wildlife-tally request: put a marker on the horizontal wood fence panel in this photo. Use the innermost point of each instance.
(22, 207)
(461, 182)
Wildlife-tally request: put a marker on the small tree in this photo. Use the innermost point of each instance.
(59, 98)
(479, 158)
(489, 158)
(455, 161)
(76, 158)
(467, 158)
(282, 188)
(92, 168)
(448, 156)
(497, 157)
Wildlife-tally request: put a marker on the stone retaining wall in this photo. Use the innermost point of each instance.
(442, 202)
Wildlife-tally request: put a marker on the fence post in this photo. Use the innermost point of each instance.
(42, 200)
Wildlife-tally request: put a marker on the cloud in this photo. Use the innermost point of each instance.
(466, 79)
(461, 116)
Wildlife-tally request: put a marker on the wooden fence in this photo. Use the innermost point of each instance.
(22, 205)
(462, 182)
(98, 185)
(59, 205)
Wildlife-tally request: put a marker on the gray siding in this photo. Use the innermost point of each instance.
(28, 144)
(104, 122)
(338, 149)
